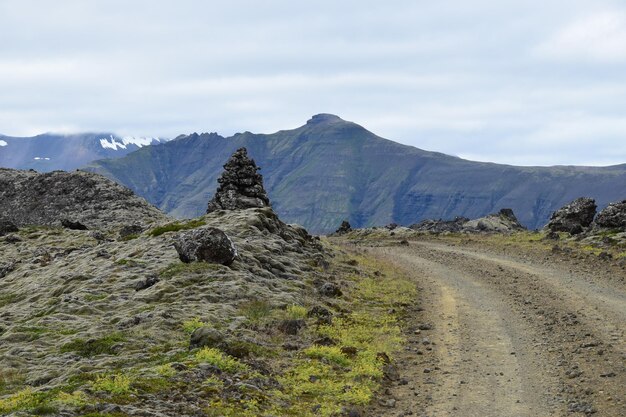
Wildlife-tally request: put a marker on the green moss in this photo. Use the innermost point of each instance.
(175, 227)
(152, 385)
(93, 347)
(95, 297)
(181, 268)
(6, 299)
(104, 415)
(129, 237)
(129, 262)
(37, 403)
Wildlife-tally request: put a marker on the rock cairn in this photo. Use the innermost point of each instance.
(574, 217)
(240, 186)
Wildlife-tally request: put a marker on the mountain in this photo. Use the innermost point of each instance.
(49, 152)
(331, 169)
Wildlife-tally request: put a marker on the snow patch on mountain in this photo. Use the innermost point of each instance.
(41, 158)
(115, 143)
(3, 143)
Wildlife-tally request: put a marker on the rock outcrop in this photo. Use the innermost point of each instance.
(207, 244)
(502, 222)
(91, 200)
(440, 226)
(241, 186)
(574, 217)
(7, 226)
(343, 228)
(613, 216)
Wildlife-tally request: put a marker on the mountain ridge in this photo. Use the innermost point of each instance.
(51, 151)
(329, 169)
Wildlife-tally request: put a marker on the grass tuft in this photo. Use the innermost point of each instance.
(176, 226)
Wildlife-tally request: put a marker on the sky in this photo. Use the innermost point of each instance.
(518, 82)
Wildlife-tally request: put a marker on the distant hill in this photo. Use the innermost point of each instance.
(330, 169)
(49, 152)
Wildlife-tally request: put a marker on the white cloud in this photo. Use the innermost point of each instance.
(598, 37)
(452, 76)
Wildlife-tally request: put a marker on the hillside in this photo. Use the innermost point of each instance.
(330, 169)
(49, 152)
(232, 314)
(47, 199)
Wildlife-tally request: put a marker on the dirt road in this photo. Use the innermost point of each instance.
(513, 334)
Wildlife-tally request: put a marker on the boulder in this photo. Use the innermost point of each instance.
(7, 226)
(130, 230)
(73, 225)
(392, 226)
(207, 244)
(240, 186)
(207, 337)
(329, 289)
(613, 216)
(573, 217)
(343, 228)
(291, 326)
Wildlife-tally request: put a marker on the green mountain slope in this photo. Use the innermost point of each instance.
(331, 169)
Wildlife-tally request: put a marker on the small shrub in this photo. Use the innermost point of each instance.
(113, 384)
(27, 399)
(176, 226)
(220, 360)
(190, 326)
(296, 312)
(74, 399)
(331, 354)
(165, 370)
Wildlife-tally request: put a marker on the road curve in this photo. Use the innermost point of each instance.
(509, 336)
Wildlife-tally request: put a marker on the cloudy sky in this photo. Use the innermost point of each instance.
(524, 82)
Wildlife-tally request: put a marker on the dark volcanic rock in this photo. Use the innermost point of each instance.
(68, 224)
(329, 289)
(573, 217)
(613, 216)
(7, 226)
(207, 244)
(291, 326)
(343, 228)
(241, 186)
(146, 282)
(130, 230)
(6, 268)
(30, 198)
